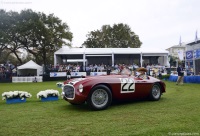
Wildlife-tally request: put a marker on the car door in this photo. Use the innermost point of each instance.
(142, 87)
(131, 88)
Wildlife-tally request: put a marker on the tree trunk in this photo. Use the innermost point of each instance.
(18, 57)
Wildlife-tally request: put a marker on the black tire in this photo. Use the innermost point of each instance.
(155, 92)
(99, 98)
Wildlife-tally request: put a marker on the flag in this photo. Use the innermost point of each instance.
(180, 54)
(180, 41)
(196, 37)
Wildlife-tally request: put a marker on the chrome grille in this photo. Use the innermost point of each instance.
(68, 91)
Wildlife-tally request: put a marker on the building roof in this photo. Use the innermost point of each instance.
(193, 42)
(177, 46)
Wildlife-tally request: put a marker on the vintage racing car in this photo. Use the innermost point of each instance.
(100, 91)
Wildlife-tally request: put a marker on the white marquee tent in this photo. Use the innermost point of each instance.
(30, 69)
(110, 54)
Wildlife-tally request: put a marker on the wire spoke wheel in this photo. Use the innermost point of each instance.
(155, 92)
(99, 97)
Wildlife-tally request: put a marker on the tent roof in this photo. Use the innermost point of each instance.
(29, 65)
(67, 50)
(76, 60)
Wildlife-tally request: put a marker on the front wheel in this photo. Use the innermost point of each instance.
(99, 98)
(155, 92)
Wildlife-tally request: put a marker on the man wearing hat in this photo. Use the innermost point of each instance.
(142, 73)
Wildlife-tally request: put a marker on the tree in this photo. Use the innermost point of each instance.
(3, 38)
(172, 60)
(38, 33)
(43, 34)
(9, 33)
(118, 36)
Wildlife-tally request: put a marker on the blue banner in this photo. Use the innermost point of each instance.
(197, 53)
(189, 55)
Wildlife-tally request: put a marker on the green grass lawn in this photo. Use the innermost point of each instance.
(177, 112)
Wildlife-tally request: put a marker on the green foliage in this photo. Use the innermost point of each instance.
(9, 32)
(172, 61)
(176, 112)
(165, 76)
(38, 33)
(3, 35)
(117, 36)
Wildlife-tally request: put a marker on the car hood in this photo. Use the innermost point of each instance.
(89, 78)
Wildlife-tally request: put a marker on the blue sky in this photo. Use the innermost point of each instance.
(159, 23)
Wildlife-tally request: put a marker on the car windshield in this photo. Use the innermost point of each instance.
(125, 71)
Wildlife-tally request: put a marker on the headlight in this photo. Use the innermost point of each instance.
(80, 88)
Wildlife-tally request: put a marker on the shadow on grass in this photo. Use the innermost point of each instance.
(115, 104)
(81, 107)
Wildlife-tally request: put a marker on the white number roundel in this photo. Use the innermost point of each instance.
(127, 85)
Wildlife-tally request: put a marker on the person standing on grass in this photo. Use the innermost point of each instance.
(68, 74)
(180, 75)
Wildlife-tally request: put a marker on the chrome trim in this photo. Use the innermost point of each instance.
(80, 88)
(68, 91)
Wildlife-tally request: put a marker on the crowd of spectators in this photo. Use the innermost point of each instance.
(152, 69)
(6, 71)
(91, 67)
(64, 68)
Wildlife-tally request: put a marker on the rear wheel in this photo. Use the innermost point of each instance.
(99, 98)
(155, 93)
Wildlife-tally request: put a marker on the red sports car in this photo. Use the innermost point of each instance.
(100, 91)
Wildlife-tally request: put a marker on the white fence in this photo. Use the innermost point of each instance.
(26, 79)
